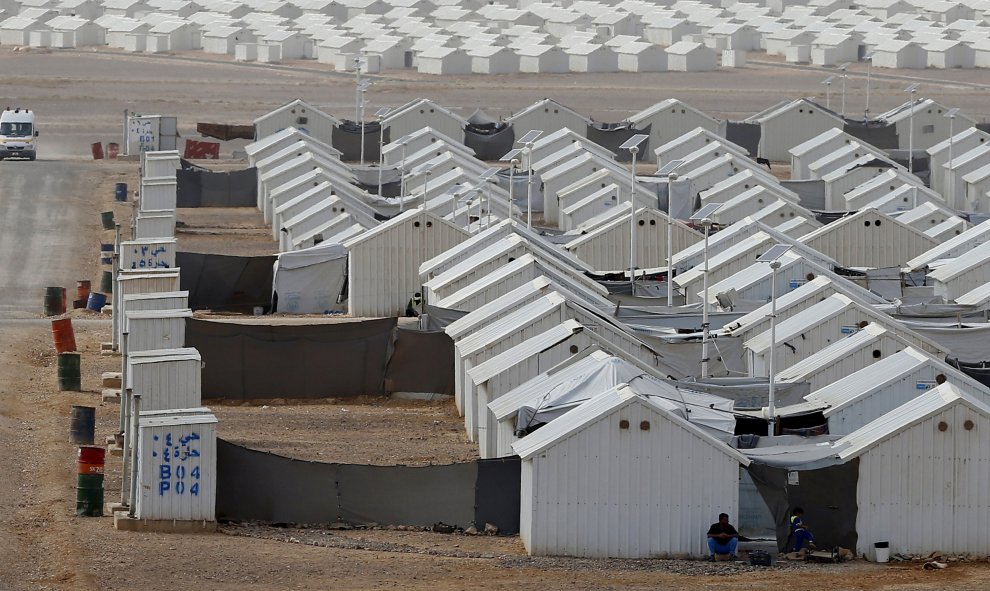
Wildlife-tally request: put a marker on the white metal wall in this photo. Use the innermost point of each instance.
(609, 250)
(626, 493)
(176, 469)
(862, 357)
(142, 255)
(145, 334)
(462, 363)
(154, 225)
(796, 126)
(383, 270)
(870, 240)
(166, 383)
(157, 193)
(160, 164)
(513, 377)
(424, 115)
(309, 121)
(482, 269)
(925, 490)
(806, 343)
(172, 300)
(879, 401)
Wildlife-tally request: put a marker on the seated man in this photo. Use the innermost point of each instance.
(800, 531)
(722, 537)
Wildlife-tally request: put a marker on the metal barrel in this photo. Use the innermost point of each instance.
(82, 426)
(120, 192)
(97, 149)
(96, 301)
(83, 287)
(106, 282)
(63, 335)
(54, 301)
(77, 304)
(113, 150)
(69, 377)
(90, 458)
(107, 219)
(89, 495)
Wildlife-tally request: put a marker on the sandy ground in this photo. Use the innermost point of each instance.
(81, 96)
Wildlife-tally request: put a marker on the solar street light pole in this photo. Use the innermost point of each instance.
(402, 178)
(843, 67)
(771, 411)
(632, 221)
(951, 115)
(529, 186)
(912, 89)
(670, 241)
(707, 224)
(869, 68)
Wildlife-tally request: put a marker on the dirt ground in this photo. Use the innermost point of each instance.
(81, 96)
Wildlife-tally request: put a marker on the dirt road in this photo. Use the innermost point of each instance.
(49, 233)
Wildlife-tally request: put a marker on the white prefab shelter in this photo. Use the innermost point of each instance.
(421, 113)
(301, 115)
(444, 61)
(923, 475)
(952, 247)
(155, 329)
(929, 121)
(640, 56)
(184, 488)
(869, 238)
(670, 120)
(617, 446)
(790, 124)
(383, 263)
(689, 56)
(938, 155)
(963, 274)
(166, 379)
(849, 355)
(866, 395)
(900, 54)
(549, 116)
(606, 247)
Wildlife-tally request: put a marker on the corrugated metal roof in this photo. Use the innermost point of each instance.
(509, 324)
(617, 397)
(524, 350)
(832, 136)
(717, 258)
(467, 323)
(801, 322)
(905, 416)
(875, 376)
(964, 263)
(500, 274)
(837, 350)
(978, 297)
(486, 253)
(487, 236)
(149, 314)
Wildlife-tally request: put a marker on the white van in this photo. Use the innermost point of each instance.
(18, 134)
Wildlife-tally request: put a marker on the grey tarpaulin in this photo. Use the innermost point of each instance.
(880, 136)
(749, 392)
(421, 362)
(258, 486)
(827, 495)
(489, 138)
(744, 134)
(612, 135)
(439, 318)
(198, 187)
(220, 282)
(407, 495)
(811, 192)
(347, 138)
(969, 343)
(244, 361)
(496, 494)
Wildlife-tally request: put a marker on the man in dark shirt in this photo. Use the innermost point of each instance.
(722, 537)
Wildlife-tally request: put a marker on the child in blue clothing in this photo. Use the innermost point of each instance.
(800, 531)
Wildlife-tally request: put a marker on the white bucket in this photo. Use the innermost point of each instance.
(882, 550)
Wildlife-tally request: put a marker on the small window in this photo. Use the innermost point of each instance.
(928, 129)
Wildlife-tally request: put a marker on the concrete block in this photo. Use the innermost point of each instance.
(124, 523)
(111, 395)
(111, 379)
